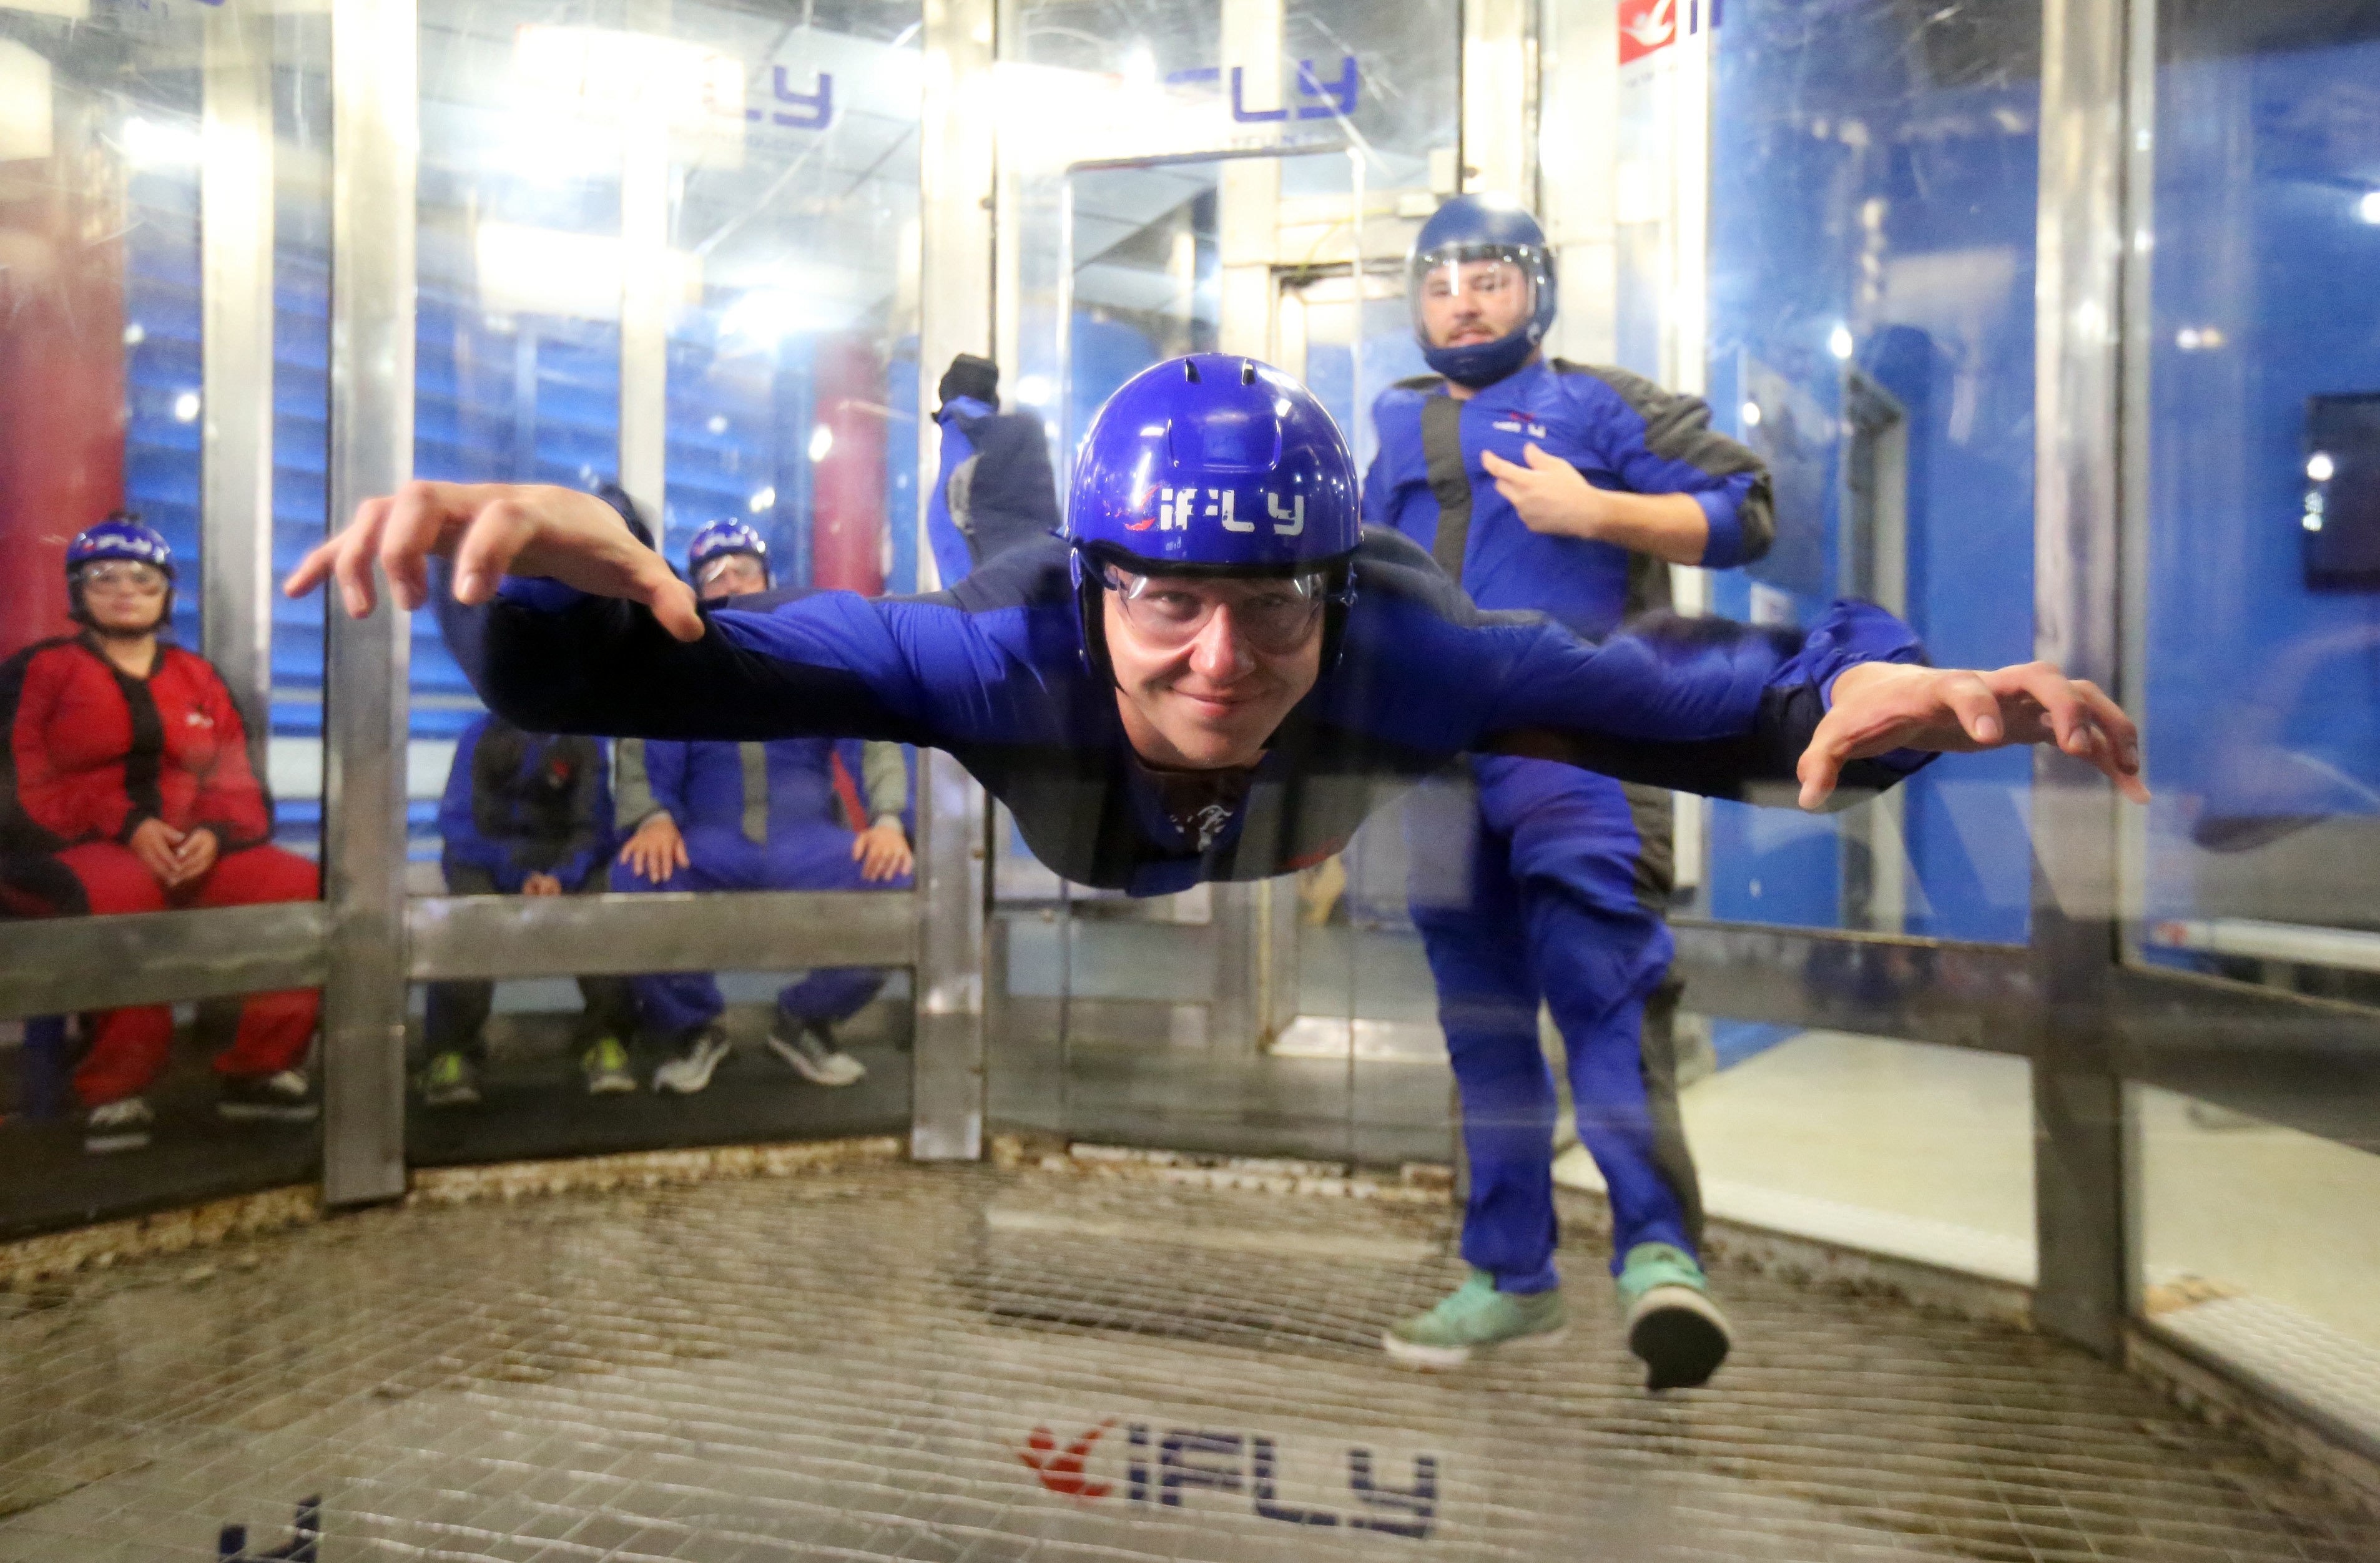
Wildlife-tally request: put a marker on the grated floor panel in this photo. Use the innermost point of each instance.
(974, 1366)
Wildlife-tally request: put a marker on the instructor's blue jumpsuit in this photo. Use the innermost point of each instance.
(993, 670)
(1534, 880)
(755, 817)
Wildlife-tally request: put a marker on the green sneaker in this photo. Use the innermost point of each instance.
(450, 1081)
(606, 1065)
(1474, 1315)
(1672, 1324)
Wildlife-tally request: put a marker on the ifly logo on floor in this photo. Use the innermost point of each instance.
(1164, 1466)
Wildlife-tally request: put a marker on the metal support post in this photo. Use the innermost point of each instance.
(1500, 98)
(236, 233)
(2078, 1168)
(644, 288)
(375, 127)
(955, 241)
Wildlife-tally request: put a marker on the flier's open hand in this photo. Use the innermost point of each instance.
(491, 530)
(1879, 707)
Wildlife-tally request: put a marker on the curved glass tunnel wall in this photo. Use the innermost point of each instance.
(769, 369)
(680, 261)
(164, 206)
(2252, 528)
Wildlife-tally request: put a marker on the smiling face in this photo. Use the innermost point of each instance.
(1473, 301)
(1206, 670)
(123, 597)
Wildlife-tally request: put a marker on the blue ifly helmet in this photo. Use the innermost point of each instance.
(1213, 465)
(121, 536)
(716, 539)
(1473, 228)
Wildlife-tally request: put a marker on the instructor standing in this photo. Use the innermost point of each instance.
(1569, 490)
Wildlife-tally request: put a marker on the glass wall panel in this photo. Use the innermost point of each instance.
(1254, 176)
(163, 302)
(1905, 1149)
(2257, 1245)
(670, 255)
(1873, 189)
(2259, 639)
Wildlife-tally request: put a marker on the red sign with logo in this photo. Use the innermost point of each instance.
(1648, 25)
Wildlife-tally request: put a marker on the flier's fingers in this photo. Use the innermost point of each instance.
(352, 553)
(671, 600)
(491, 541)
(1974, 704)
(1497, 467)
(2123, 734)
(1821, 765)
(415, 526)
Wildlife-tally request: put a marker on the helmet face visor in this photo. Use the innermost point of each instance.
(1472, 295)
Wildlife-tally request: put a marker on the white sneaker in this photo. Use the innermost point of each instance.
(692, 1069)
(119, 1125)
(811, 1050)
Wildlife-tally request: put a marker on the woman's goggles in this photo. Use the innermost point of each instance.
(123, 575)
(1275, 615)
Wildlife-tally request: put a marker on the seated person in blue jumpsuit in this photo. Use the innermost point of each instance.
(994, 489)
(754, 815)
(1214, 676)
(524, 814)
(1570, 491)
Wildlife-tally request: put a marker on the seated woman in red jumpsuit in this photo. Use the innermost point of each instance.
(125, 787)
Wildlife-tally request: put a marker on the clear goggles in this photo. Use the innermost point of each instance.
(735, 568)
(123, 575)
(1459, 286)
(1275, 615)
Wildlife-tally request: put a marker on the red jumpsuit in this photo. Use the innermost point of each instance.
(92, 753)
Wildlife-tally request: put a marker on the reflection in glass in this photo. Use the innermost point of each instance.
(1872, 217)
(2260, 526)
(1884, 1146)
(2256, 1245)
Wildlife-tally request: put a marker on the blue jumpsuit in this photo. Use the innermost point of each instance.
(993, 672)
(755, 817)
(1538, 881)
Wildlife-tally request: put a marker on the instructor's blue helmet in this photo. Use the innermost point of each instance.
(122, 536)
(1481, 228)
(715, 539)
(1213, 465)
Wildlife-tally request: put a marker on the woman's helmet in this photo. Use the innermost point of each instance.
(1475, 228)
(716, 539)
(122, 536)
(1212, 464)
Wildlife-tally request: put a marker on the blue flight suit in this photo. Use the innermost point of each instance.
(994, 489)
(1532, 879)
(518, 803)
(756, 817)
(992, 671)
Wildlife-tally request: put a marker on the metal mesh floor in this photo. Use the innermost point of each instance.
(971, 1364)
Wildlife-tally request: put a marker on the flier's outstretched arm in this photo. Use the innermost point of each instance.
(1708, 707)
(566, 623)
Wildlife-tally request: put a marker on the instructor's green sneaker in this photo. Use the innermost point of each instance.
(450, 1081)
(1672, 1322)
(1473, 1315)
(605, 1065)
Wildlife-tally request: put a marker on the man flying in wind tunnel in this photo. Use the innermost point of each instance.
(1213, 675)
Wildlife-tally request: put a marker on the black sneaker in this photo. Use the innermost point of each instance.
(276, 1098)
(119, 1125)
